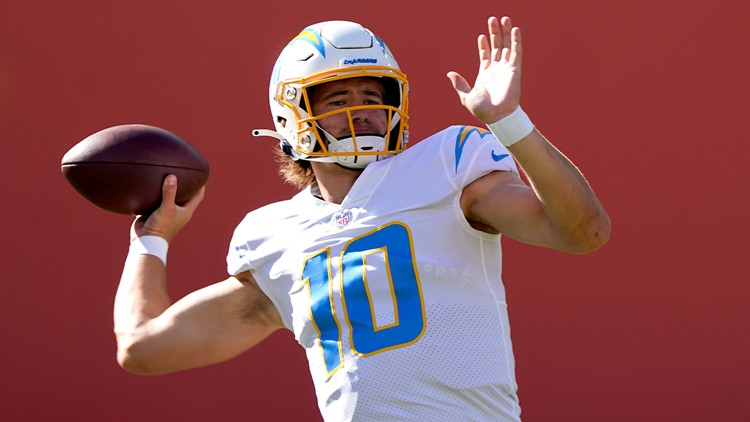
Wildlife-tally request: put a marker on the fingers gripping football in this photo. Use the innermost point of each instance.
(167, 220)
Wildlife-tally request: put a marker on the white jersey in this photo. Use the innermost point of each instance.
(396, 299)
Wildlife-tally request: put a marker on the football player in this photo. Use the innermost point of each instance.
(387, 264)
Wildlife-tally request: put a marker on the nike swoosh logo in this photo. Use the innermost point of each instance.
(498, 157)
(463, 135)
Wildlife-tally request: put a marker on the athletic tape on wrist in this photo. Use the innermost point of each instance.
(512, 128)
(150, 245)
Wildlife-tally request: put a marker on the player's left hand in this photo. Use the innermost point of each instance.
(497, 90)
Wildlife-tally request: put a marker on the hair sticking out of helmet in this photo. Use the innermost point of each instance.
(327, 52)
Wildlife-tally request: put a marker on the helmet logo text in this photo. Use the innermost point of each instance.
(365, 60)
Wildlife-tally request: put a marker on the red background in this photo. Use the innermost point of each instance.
(646, 96)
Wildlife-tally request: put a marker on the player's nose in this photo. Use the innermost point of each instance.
(360, 115)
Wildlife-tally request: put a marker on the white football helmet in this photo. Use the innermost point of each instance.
(326, 52)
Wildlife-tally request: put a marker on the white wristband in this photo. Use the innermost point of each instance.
(512, 128)
(150, 245)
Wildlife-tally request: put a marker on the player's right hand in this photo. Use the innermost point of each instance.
(169, 218)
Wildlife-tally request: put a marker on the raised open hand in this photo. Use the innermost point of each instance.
(497, 89)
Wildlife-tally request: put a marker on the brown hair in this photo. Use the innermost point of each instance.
(297, 173)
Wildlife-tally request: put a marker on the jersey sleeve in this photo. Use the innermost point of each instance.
(475, 152)
(254, 243)
(240, 247)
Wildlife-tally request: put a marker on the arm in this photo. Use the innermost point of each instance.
(559, 210)
(208, 326)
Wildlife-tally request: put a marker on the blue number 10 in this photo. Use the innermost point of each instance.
(393, 243)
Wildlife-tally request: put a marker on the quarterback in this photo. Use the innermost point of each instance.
(387, 264)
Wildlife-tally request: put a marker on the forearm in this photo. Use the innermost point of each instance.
(141, 296)
(566, 197)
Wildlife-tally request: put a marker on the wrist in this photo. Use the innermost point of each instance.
(512, 128)
(150, 245)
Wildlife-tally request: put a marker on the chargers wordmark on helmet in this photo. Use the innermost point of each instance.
(366, 60)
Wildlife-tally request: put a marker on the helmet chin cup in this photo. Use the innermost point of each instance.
(367, 147)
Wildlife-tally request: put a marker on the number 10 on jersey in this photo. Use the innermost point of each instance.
(366, 337)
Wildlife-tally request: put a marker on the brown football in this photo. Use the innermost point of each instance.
(122, 168)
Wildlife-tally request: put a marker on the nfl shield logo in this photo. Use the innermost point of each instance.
(342, 218)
